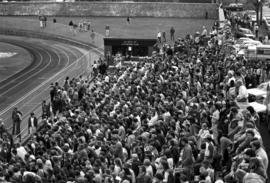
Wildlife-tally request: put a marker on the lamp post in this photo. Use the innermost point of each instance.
(261, 11)
(258, 5)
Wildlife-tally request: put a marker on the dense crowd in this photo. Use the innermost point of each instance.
(172, 118)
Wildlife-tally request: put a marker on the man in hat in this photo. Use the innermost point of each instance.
(32, 123)
(17, 118)
(242, 91)
(2, 128)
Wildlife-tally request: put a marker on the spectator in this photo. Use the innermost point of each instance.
(159, 37)
(17, 118)
(169, 118)
(32, 123)
(172, 31)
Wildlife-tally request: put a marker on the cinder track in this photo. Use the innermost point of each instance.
(49, 58)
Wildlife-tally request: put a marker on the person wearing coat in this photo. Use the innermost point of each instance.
(32, 123)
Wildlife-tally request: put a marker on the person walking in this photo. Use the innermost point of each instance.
(2, 128)
(93, 35)
(107, 31)
(17, 118)
(45, 21)
(46, 109)
(32, 123)
(128, 20)
(164, 36)
(159, 37)
(172, 31)
(40, 21)
(256, 28)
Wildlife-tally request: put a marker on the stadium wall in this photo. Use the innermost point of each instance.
(121, 9)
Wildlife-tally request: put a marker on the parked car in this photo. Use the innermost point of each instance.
(242, 40)
(235, 7)
(243, 32)
(252, 15)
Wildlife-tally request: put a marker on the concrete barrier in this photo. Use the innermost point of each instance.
(138, 9)
(47, 36)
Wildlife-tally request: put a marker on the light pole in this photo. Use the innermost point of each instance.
(261, 11)
(258, 11)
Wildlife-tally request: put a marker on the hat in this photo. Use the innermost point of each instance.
(209, 136)
(134, 156)
(39, 161)
(146, 162)
(159, 176)
(219, 181)
(32, 157)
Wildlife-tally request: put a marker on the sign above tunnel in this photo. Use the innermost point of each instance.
(128, 47)
(129, 42)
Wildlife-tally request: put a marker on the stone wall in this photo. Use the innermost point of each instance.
(181, 10)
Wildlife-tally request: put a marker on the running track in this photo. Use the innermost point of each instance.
(49, 58)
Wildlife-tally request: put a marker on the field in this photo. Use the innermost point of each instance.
(12, 59)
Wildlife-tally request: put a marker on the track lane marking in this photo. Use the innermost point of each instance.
(46, 98)
(30, 76)
(4, 85)
(46, 66)
(42, 84)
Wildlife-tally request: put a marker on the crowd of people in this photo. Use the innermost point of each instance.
(172, 118)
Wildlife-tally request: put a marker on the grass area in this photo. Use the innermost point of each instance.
(141, 27)
(15, 63)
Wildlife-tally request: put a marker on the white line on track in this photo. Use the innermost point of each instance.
(2, 112)
(71, 51)
(2, 86)
(32, 57)
(37, 104)
(42, 84)
(64, 52)
(62, 77)
(29, 77)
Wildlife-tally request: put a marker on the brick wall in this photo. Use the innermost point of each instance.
(181, 10)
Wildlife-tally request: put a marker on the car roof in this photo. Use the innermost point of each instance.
(263, 46)
(245, 29)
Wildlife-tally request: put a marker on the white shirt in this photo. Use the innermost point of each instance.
(107, 79)
(21, 152)
(243, 93)
(215, 117)
(204, 32)
(261, 153)
(32, 121)
(153, 120)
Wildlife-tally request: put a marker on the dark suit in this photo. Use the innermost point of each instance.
(30, 125)
(17, 118)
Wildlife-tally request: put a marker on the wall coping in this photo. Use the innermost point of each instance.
(104, 2)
